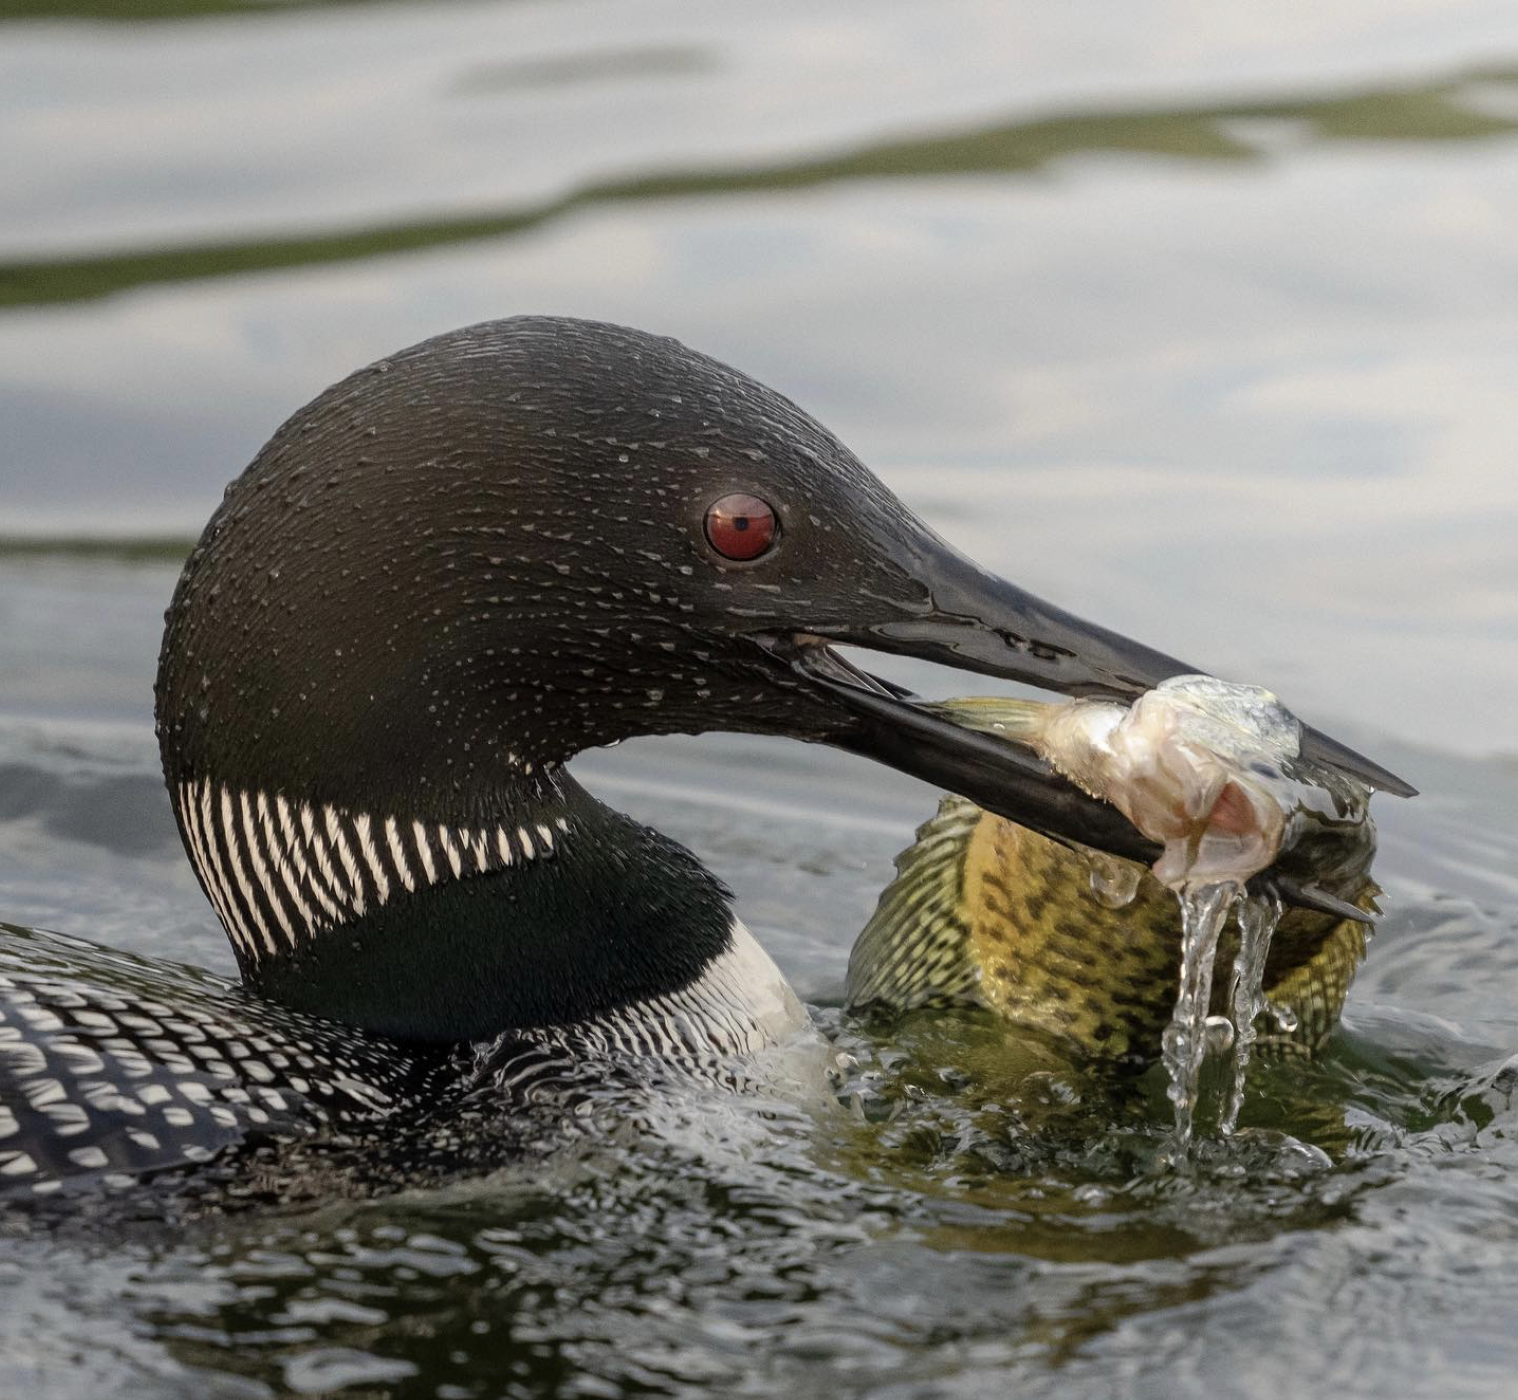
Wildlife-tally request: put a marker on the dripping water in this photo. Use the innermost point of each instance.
(1258, 916)
(1193, 1033)
(1204, 911)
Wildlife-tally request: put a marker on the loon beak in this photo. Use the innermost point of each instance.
(977, 622)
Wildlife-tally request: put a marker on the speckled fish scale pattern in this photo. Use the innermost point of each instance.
(111, 1067)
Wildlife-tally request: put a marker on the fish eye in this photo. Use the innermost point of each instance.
(741, 527)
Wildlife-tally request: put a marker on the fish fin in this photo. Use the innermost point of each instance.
(917, 949)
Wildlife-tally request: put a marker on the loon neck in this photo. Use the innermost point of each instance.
(543, 907)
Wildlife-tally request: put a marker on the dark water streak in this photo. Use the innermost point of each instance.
(1429, 112)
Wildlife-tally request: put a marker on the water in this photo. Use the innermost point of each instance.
(1204, 911)
(1113, 882)
(1257, 917)
(1202, 325)
(1192, 1035)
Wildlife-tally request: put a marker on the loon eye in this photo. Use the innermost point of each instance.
(741, 526)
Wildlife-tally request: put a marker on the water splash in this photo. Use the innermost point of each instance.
(1258, 916)
(1220, 1035)
(1204, 911)
(1193, 1033)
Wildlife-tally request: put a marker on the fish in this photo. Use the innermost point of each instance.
(1086, 948)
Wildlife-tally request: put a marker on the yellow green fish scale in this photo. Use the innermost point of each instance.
(984, 912)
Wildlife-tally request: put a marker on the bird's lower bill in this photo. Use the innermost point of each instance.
(888, 724)
(896, 728)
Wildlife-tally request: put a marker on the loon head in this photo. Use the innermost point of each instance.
(457, 568)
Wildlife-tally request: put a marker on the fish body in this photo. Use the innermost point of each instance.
(987, 913)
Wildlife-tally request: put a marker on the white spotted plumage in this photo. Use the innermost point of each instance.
(104, 1088)
(103, 1082)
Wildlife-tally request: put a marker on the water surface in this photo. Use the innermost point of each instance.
(1205, 325)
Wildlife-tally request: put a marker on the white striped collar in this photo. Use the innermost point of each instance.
(278, 871)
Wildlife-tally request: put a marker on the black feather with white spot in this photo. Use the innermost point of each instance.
(112, 1067)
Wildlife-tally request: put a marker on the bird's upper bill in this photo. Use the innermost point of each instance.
(977, 622)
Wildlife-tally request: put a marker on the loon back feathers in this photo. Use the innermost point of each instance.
(113, 1066)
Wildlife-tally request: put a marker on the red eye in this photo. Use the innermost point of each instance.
(741, 527)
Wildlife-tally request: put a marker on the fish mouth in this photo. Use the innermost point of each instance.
(979, 623)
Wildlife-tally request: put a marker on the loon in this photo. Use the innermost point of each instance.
(438, 582)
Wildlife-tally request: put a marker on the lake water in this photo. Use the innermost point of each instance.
(1201, 323)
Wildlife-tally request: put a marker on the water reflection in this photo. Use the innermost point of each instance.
(138, 11)
(586, 66)
(1424, 113)
(905, 1248)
